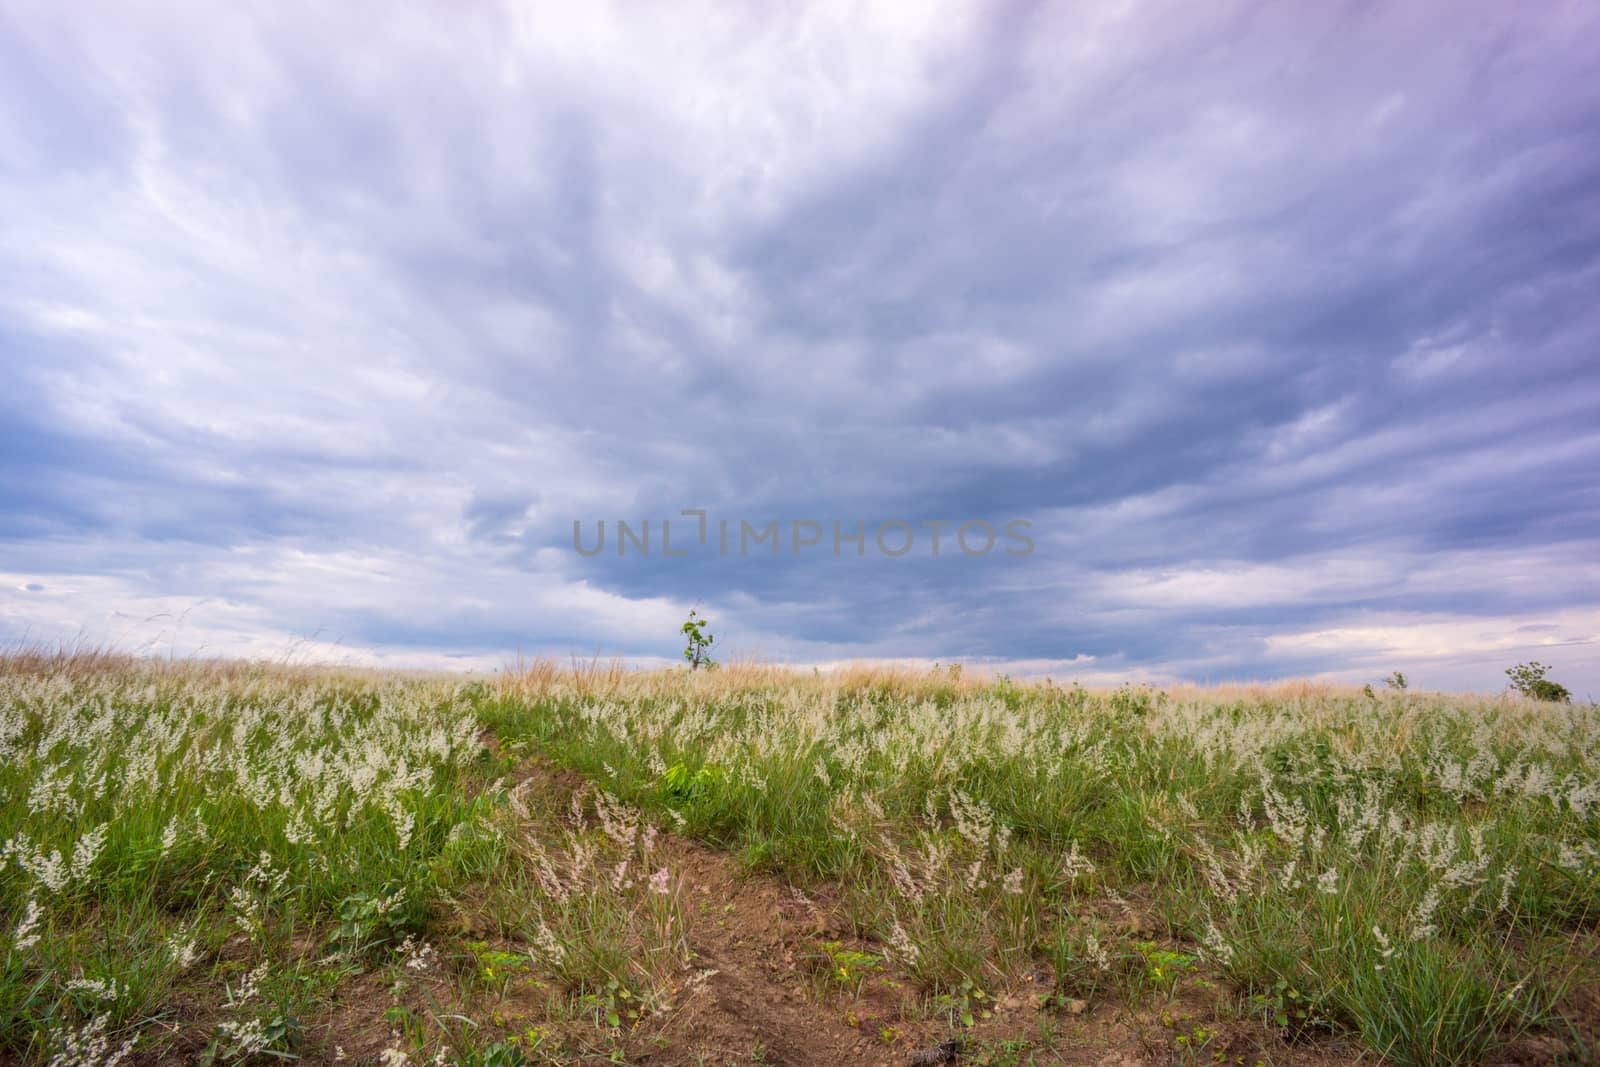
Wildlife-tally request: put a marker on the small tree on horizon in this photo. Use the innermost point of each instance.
(699, 641)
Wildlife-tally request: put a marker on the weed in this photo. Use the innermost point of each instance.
(962, 1006)
(836, 967)
(1162, 967)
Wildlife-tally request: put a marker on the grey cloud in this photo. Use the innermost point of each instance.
(1199, 292)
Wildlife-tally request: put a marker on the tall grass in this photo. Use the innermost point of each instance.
(1411, 869)
(1420, 873)
(149, 813)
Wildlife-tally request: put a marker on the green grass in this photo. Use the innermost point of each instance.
(151, 817)
(1418, 873)
(1415, 870)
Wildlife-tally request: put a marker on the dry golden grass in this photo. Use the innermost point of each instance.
(532, 677)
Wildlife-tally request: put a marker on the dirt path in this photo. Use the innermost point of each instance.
(756, 994)
(756, 991)
(755, 1003)
(750, 998)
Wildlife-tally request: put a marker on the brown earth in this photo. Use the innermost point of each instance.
(752, 995)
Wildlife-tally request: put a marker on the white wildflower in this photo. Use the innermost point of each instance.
(183, 949)
(249, 985)
(419, 956)
(1075, 864)
(87, 850)
(101, 989)
(902, 946)
(1216, 945)
(1098, 953)
(393, 1056)
(549, 946)
(1422, 921)
(245, 1037)
(1508, 878)
(88, 1046)
(26, 934)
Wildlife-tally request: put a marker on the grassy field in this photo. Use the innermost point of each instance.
(244, 863)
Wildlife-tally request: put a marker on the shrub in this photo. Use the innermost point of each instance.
(1529, 680)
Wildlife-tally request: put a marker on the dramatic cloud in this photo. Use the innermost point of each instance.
(321, 325)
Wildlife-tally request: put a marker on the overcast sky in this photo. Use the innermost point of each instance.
(1280, 323)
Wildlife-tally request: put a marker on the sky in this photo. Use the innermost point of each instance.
(321, 325)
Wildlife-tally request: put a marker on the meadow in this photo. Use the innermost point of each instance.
(246, 863)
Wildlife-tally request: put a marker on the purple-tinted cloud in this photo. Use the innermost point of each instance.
(320, 327)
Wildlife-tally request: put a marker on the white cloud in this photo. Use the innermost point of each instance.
(301, 336)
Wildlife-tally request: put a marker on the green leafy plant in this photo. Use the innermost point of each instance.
(1163, 967)
(497, 969)
(1529, 680)
(1397, 680)
(366, 920)
(844, 968)
(962, 1005)
(699, 640)
(610, 1004)
(681, 785)
(1191, 1041)
(1284, 1007)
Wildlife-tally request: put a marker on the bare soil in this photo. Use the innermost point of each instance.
(751, 995)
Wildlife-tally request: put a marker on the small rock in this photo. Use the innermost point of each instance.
(944, 1053)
